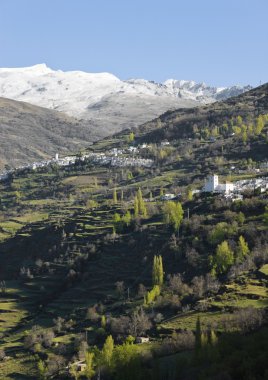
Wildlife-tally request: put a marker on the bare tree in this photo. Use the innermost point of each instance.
(199, 286)
(2, 354)
(120, 288)
(47, 338)
(192, 256)
(141, 290)
(55, 364)
(120, 325)
(59, 323)
(176, 285)
(92, 314)
(139, 323)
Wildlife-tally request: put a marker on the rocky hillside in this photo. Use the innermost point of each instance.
(29, 133)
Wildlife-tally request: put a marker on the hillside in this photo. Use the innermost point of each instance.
(197, 121)
(96, 255)
(29, 133)
(110, 103)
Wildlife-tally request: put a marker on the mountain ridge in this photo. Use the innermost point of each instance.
(119, 103)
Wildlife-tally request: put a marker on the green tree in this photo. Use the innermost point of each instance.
(141, 204)
(240, 218)
(41, 370)
(204, 340)
(103, 321)
(107, 351)
(152, 295)
(74, 372)
(136, 207)
(239, 120)
(266, 215)
(129, 175)
(223, 259)
(126, 362)
(220, 232)
(91, 204)
(259, 125)
(17, 196)
(89, 371)
(117, 222)
(115, 196)
(127, 218)
(158, 272)
(189, 193)
(173, 214)
(242, 248)
(130, 339)
(212, 338)
(131, 137)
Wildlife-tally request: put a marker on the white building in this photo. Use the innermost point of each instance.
(212, 185)
(165, 143)
(142, 339)
(167, 197)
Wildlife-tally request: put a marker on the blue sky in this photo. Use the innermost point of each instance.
(220, 42)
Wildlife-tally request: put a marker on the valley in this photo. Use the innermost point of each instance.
(92, 252)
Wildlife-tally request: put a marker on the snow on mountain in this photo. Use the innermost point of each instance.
(109, 102)
(201, 92)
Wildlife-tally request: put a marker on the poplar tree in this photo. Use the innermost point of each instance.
(136, 207)
(158, 272)
(89, 371)
(259, 125)
(107, 351)
(173, 214)
(115, 196)
(141, 204)
(212, 338)
(242, 248)
(127, 218)
(131, 137)
(103, 321)
(223, 259)
(42, 370)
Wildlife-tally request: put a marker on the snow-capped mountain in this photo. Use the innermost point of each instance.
(201, 92)
(102, 97)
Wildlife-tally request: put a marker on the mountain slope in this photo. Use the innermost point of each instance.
(77, 253)
(182, 122)
(113, 104)
(29, 133)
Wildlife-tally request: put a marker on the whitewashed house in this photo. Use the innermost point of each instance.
(167, 197)
(212, 185)
(142, 339)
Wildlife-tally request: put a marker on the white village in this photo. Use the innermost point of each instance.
(129, 157)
